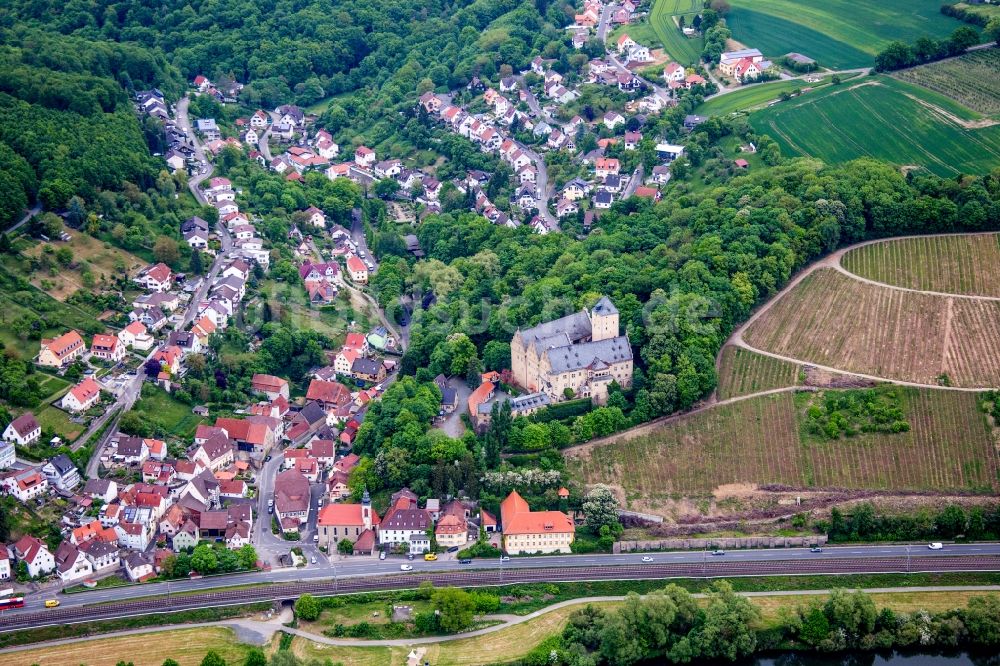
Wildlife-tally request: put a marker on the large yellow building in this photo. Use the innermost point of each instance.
(582, 352)
(527, 531)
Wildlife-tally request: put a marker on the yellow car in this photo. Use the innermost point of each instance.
(51, 603)
(430, 557)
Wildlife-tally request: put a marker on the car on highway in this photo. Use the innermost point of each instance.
(505, 558)
(647, 559)
(430, 557)
(718, 551)
(937, 545)
(51, 603)
(453, 549)
(406, 567)
(815, 549)
(465, 560)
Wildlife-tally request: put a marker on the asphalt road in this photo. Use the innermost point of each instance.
(369, 572)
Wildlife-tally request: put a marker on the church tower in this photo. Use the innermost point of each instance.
(604, 320)
(366, 510)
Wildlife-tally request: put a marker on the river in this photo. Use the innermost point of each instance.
(943, 658)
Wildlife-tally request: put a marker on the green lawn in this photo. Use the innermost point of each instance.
(839, 34)
(876, 118)
(176, 418)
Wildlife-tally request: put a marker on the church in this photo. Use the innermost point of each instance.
(582, 352)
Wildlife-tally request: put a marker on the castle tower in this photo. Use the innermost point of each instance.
(604, 320)
(366, 510)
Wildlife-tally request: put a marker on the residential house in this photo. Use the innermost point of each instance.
(61, 473)
(259, 120)
(565, 207)
(217, 451)
(71, 563)
(107, 347)
(291, 500)
(451, 531)
(24, 484)
(357, 269)
(673, 72)
(404, 521)
(103, 556)
(632, 140)
(328, 395)
(526, 531)
(730, 59)
(130, 450)
(606, 166)
(62, 351)
(368, 369)
(157, 277)
(364, 157)
(35, 554)
(138, 567)
(102, 489)
(576, 189)
(83, 396)
(22, 431)
(613, 119)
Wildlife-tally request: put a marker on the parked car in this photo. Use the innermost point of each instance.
(406, 567)
(430, 557)
(314, 559)
(937, 545)
(381, 555)
(409, 556)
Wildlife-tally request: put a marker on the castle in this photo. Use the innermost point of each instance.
(582, 352)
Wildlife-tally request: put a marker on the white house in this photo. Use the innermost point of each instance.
(61, 473)
(71, 563)
(35, 554)
(23, 430)
(24, 484)
(83, 396)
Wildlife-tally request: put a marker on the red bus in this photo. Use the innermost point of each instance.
(11, 602)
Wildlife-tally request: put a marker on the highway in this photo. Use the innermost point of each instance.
(369, 574)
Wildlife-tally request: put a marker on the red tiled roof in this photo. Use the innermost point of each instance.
(518, 518)
(344, 514)
(64, 344)
(85, 390)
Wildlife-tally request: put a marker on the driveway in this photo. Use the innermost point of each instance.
(452, 424)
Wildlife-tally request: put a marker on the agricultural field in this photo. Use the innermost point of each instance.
(961, 264)
(988, 11)
(971, 80)
(685, 50)
(839, 34)
(753, 96)
(762, 440)
(833, 320)
(742, 372)
(102, 261)
(186, 646)
(880, 118)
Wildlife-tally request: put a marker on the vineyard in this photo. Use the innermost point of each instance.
(839, 322)
(743, 372)
(965, 264)
(762, 440)
(884, 118)
(970, 80)
(973, 354)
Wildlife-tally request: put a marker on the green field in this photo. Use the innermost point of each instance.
(661, 23)
(839, 34)
(753, 96)
(878, 118)
(763, 440)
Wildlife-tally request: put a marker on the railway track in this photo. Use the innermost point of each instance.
(278, 592)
